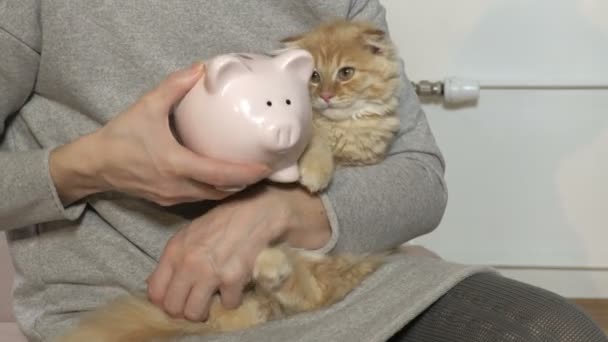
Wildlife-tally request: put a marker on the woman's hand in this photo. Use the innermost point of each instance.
(217, 251)
(136, 153)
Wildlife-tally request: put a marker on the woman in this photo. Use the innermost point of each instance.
(90, 170)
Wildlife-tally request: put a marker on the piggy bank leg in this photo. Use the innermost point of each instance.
(287, 175)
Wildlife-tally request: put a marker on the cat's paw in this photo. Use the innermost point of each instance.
(271, 269)
(315, 175)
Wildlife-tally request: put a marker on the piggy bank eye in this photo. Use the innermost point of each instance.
(288, 101)
(269, 103)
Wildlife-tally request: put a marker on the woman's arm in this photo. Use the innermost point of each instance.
(134, 153)
(27, 194)
(217, 250)
(376, 207)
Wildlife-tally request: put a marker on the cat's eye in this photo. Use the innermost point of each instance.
(346, 73)
(315, 78)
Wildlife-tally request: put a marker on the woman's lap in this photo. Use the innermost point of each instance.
(489, 307)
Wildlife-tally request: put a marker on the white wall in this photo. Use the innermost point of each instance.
(504, 41)
(528, 165)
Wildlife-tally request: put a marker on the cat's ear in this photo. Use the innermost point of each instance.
(223, 69)
(291, 41)
(297, 61)
(375, 41)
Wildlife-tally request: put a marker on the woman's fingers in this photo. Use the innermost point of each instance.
(158, 282)
(173, 88)
(218, 173)
(198, 303)
(233, 278)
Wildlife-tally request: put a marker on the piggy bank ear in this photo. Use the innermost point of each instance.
(296, 61)
(223, 69)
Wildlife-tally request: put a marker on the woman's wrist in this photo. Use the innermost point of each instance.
(309, 226)
(74, 168)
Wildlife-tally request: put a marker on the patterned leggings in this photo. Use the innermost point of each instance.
(489, 307)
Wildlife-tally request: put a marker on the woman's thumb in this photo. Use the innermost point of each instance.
(176, 85)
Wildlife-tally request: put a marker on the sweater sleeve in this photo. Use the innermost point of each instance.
(27, 193)
(376, 207)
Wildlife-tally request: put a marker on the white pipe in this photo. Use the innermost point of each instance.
(456, 90)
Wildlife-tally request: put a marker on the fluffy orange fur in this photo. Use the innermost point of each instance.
(357, 64)
(285, 282)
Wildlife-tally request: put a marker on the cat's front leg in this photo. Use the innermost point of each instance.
(316, 164)
(272, 267)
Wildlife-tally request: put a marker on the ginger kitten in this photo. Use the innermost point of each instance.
(354, 92)
(285, 282)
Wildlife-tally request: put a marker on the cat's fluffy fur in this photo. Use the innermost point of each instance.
(355, 128)
(358, 124)
(285, 282)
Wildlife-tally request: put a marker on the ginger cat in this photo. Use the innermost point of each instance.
(354, 92)
(285, 282)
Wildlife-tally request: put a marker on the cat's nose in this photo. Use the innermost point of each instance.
(326, 96)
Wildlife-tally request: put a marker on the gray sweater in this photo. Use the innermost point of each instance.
(67, 67)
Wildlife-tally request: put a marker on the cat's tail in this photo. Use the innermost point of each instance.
(132, 319)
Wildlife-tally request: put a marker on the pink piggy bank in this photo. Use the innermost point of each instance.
(251, 108)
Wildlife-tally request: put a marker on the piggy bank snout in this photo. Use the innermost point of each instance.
(283, 137)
